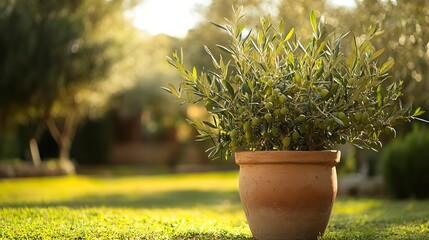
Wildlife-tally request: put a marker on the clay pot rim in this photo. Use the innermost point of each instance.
(323, 157)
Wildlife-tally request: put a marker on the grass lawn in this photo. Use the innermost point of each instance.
(191, 206)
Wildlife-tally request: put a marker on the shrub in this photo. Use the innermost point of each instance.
(280, 93)
(406, 165)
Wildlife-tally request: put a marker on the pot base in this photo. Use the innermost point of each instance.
(286, 196)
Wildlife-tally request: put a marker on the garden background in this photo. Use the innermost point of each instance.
(80, 95)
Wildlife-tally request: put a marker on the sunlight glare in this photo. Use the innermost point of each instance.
(170, 17)
(343, 3)
(175, 18)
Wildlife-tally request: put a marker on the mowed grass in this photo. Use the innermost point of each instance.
(181, 206)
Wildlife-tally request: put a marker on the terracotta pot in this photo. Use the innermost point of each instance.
(287, 194)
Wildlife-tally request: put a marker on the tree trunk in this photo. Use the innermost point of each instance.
(64, 148)
(66, 165)
(33, 143)
(64, 133)
(34, 151)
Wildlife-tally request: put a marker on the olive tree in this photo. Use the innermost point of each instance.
(60, 60)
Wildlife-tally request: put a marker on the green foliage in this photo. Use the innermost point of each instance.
(93, 141)
(196, 206)
(279, 92)
(406, 165)
(405, 37)
(142, 100)
(51, 50)
(8, 146)
(62, 60)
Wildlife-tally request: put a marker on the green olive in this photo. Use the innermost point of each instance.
(282, 98)
(324, 92)
(390, 130)
(300, 118)
(268, 117)
(233, 133)
(342, 116)
(275, 132)
(269, 105)
(358, 116)
(286, 142)
(256, 121)
(295, 135)
(365, 116)
(246, 126)
(248, 135)
(233, 143)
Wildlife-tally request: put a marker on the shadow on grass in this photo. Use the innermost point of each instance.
(167, 199)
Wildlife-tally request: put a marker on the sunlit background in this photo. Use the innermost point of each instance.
(81, 81)
(154, 17)
(81, 97)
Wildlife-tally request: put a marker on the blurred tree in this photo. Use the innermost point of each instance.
(295, 14)
(60, 60)
(405, 37)
(146, 102)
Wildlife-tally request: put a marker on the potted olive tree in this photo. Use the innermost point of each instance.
(281, 104)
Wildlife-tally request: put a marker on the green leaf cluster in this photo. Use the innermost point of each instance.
(55, 54)
(405, 165)
(281, 92)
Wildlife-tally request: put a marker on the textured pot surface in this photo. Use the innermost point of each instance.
(287, 194)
